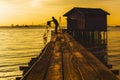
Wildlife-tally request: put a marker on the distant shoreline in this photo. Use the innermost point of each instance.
(28, 27)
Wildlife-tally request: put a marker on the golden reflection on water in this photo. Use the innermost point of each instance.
(114, 48)
(17, 47)
(113, 41)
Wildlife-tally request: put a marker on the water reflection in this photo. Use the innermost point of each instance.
(17, 47)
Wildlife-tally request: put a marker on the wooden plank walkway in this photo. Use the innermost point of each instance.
(65, 59)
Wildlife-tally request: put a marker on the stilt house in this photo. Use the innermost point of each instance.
(89, 26)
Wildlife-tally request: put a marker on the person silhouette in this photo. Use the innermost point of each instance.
(56, 24)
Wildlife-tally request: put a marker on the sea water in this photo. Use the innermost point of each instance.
(114, 48)
(17, 47)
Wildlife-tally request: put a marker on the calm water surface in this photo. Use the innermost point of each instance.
(114, 48)
(18, 46)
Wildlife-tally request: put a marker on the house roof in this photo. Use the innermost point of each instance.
(87, 11)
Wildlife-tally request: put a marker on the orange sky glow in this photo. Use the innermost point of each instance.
(40, 11)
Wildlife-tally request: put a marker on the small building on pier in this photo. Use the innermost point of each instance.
(89, 26)
(90, 19)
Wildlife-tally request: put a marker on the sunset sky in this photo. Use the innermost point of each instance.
(39, 11)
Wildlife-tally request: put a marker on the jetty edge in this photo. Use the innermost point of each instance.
(65, 59)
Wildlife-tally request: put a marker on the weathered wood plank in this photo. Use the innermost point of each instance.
(80, 64)
(70, 73)
(55, 68)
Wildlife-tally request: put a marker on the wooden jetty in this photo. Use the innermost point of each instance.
(65, 59)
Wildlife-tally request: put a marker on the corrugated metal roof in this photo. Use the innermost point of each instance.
(87, 11)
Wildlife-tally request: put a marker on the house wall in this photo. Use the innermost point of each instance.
(76, 21)
(96, 22)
